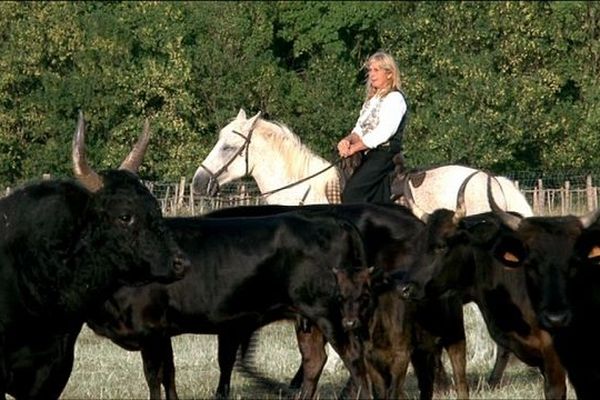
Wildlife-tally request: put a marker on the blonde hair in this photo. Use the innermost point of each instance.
(386, 62)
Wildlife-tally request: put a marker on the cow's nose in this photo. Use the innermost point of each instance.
(555, 319)
(180, 265)
(407, 290)
(350, 323)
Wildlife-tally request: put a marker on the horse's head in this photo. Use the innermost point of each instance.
(229, 159)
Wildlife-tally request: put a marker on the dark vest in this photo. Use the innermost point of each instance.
(396, 139)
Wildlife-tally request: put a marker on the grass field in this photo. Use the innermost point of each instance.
(105, 371)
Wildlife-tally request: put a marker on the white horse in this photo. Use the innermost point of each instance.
(274, 157)
(288, 172)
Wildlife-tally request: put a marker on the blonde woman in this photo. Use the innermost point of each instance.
(377, 133)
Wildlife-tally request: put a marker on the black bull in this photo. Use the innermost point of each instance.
(64, 248)
(389, 230)
(477, 256)
(558, 258)
(245, 274)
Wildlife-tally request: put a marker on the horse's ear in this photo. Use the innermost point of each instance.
(249, 125)
(241, 114)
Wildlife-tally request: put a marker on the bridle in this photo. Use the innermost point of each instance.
(245, 147)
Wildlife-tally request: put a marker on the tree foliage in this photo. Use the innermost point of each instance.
(503, 86)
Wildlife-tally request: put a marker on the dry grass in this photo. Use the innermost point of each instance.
(104, 371)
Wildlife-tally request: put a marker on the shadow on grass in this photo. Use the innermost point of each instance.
(522, 383)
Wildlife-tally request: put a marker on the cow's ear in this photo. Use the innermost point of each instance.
(593, 255)
(510, 252)
(588, 247)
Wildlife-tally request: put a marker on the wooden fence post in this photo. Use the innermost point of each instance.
(541, 197)
(181, 192)
(565, 203)
(192, 209)
(590, 194)
(166, 200)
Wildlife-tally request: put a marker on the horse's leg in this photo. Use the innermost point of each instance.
(311, 343)
(502, 358)
(157, 357)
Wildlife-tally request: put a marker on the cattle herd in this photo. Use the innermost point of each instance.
(384, 285)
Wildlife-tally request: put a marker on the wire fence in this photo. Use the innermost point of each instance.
(548, 195)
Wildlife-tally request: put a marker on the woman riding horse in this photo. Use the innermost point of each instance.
(377, 135)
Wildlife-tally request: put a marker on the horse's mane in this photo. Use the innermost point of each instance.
(299, 158)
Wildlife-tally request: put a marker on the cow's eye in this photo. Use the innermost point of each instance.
(440, 248)
(126, 219)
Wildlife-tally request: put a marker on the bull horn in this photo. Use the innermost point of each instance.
(588, 219)
(410, 202)
(510, 220)
(461, 208)
(83, 173)
(133, 161)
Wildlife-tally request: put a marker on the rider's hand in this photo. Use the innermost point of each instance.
(344, 147)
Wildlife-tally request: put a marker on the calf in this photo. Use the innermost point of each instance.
(65, 246)
(459, 255)
(245, 274)
(558, 256)
(394, 334)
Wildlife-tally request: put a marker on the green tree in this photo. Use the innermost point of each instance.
(504, 86)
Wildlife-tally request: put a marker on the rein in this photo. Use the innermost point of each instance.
(270, 192)
(246, 147)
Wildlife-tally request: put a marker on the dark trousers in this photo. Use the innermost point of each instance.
(370, 182)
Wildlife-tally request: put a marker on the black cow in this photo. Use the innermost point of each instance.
(245, 274)
(459, 255)
(64, 248)
(559, 257)
(388, 232)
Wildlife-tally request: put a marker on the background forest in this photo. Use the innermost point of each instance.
(506, 86)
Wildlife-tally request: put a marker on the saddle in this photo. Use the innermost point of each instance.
(348, 165)
(400, 175)
(397, 177)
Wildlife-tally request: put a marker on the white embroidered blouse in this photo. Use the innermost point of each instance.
(379, 118)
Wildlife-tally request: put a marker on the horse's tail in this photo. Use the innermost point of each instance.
(247, 367)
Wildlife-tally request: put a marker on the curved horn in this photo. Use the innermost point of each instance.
(512, 221)
(410, 202)
(588, 219)
(461, 208)
(133, 161)
(84, 174)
